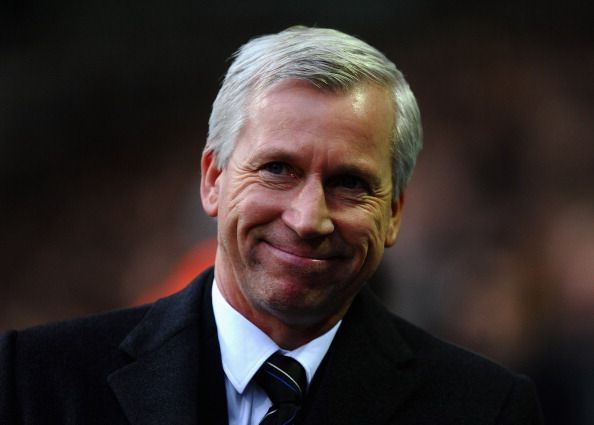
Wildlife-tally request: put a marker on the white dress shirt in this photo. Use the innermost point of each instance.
(244, 348)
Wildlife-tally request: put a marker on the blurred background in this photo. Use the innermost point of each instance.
(103, 115)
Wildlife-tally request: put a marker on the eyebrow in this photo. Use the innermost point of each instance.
(273, 154)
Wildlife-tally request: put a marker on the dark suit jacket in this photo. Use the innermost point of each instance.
(160, 364)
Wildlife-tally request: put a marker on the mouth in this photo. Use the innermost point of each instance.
(297, 254)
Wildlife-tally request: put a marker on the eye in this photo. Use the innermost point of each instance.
(349, 182)
(276, 167)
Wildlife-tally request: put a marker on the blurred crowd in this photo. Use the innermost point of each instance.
(497, 246)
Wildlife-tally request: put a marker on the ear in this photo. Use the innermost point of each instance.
(394, 224)
(209, 183)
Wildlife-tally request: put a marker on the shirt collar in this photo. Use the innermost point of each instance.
(244, 347)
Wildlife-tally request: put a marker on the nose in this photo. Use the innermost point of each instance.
(307, 213)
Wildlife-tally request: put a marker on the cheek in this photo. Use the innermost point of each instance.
(365, 225)
(361, 235)
(255, 206)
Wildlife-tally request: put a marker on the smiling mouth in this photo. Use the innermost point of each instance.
(304, 254)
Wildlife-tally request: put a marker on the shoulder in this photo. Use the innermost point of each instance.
(449, 358)
(88, 338)
(68, 347)
(449, 363)
(61, 370)
(451, 380)
(468, 384)
(426, 349)
(49, 367)
(458, 376)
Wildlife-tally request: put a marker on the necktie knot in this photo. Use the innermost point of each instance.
(284, 381)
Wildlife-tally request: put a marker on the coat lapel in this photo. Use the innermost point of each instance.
(162, 383)
(367, 373)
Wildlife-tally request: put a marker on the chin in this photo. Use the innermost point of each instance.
(299, 315)
(298, 304)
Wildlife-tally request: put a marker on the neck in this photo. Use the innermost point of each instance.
(288, 330)
(290, 337)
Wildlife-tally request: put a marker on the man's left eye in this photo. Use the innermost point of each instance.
(349, 182)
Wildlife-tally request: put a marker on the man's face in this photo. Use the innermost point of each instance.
(304, 205)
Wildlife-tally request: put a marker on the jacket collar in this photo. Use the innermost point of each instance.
(368, 371)
(161, 383)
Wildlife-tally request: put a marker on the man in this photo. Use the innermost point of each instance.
(312, 139)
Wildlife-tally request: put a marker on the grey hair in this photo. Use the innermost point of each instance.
(328, 59)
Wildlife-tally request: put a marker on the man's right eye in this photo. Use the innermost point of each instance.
(276, 167)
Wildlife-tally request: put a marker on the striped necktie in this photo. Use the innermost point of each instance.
(284, 381)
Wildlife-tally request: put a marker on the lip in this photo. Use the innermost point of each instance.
(299, 256)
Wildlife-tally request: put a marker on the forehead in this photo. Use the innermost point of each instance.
(364, 97)
(294, 112)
